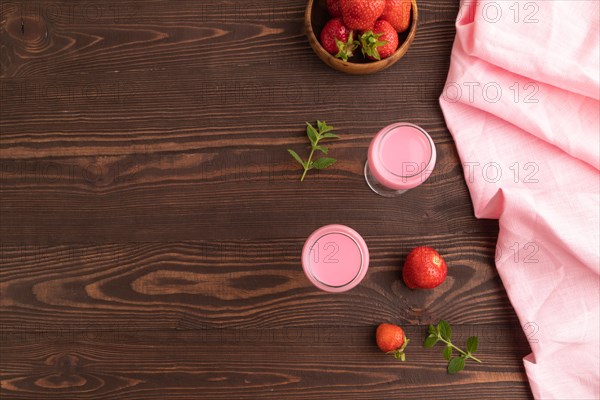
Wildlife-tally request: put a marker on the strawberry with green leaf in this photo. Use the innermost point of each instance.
(338, 40)
(392, 340)
(315, 136)
(380, 42)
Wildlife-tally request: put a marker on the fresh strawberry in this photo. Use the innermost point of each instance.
(361, 14)
(391, 339)
(397, 13)
(424, 269)
(338, 40)
(333, 7)
(380, 42)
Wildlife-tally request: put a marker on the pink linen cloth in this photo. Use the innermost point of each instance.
(522, 103)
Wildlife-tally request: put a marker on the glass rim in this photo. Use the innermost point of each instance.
(422, 131)
(357, 272)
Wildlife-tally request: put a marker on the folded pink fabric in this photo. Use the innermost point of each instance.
(522, 103)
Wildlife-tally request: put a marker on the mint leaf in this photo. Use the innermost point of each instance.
(430, 341)
(324, 162)
(296, 156)
(455, 365)
(432, 330)
(445, 330)
(329, 136)
(320, 126)
(472, 344)
(324, 128)
(322, 149)
(447, 352)
(312, 134)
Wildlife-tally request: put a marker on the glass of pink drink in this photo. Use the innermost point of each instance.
(335, 258)
(401, 157)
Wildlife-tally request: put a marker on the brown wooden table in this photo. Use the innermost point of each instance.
(152, 220)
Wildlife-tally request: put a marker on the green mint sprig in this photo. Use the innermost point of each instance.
(322, 132)
(441, 333)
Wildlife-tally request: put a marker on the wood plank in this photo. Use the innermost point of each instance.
(180, 104)
(234, 284)
(58, 37)
(220, 195)
(290, 363)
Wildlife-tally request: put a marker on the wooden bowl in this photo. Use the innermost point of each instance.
(315, 18)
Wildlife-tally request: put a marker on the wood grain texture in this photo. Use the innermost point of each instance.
(151, 219)
(233, 284)
(291, 363)
(237, 193)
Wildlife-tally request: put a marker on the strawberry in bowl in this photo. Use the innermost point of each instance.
(361, 14)
(380, 42)
(338, 40)
(397, 13)
(335, 27)
(333, 8)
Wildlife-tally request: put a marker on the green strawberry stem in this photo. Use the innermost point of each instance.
(346, 49)
(369, 43)
(467, 355)
(399, 353)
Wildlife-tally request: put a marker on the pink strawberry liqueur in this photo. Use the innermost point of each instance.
(335, 258)
(401, 157)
